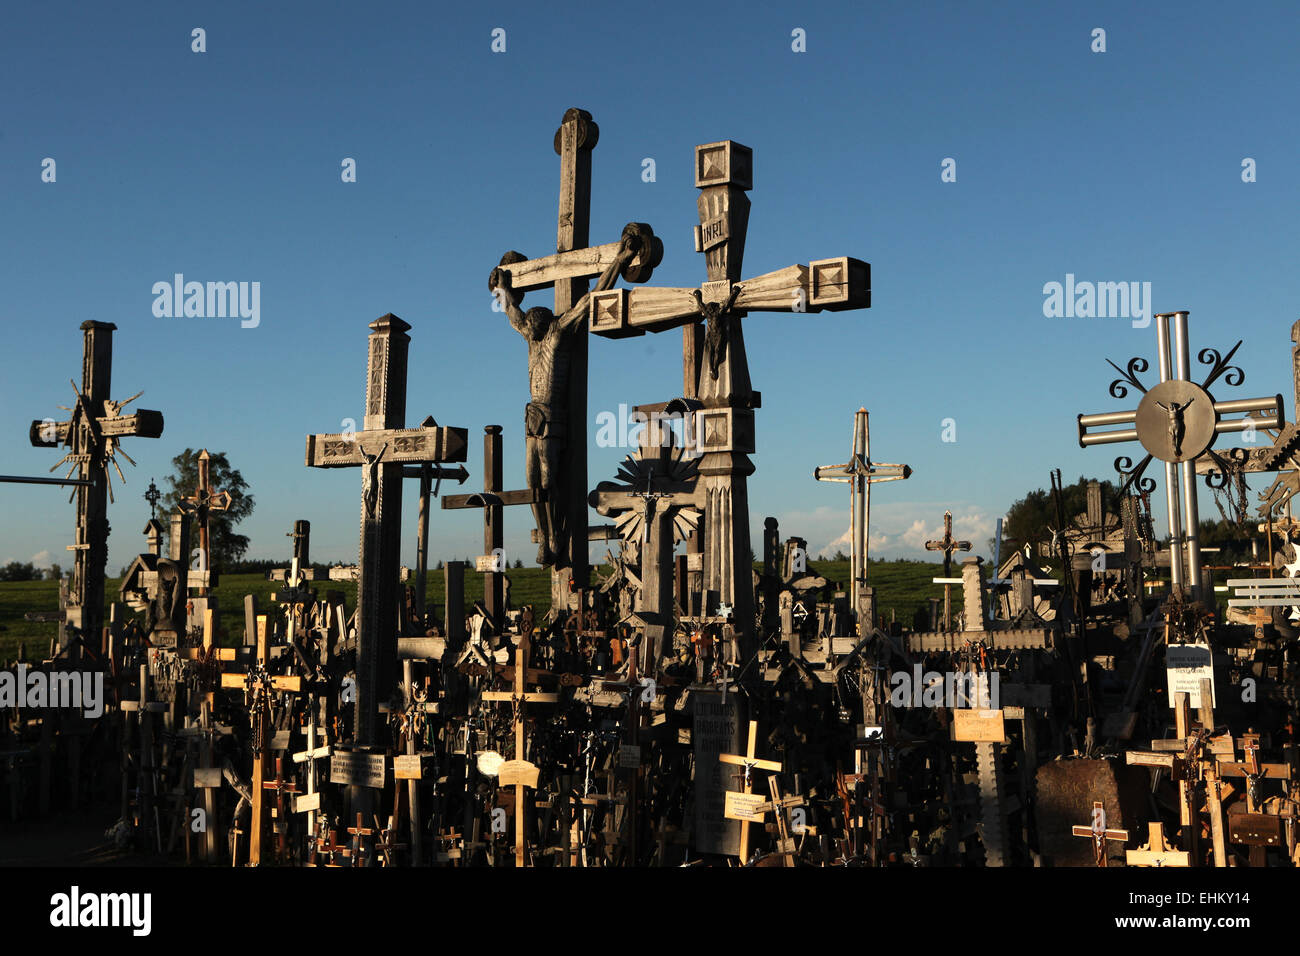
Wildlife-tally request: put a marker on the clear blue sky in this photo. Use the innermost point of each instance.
(225, 165)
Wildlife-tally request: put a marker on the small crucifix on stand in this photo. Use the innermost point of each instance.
(1099, 833)
(947, 545)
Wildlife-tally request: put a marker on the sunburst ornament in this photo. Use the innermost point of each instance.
(651, 481)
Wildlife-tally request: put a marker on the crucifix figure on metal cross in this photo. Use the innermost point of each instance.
(92, 435)
(947, 545)
(201, 504)
(1178, 421)
(860, 473)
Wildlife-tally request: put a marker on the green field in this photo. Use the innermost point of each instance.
(901, 587)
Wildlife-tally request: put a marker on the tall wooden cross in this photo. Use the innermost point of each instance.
(724, 425)
(749, 762)
(947, 545)
(569, 271)
(1178, 421)
(860, 473)
(92, 435)
(382, 450)
(493, 501)
(202, 503)
(521, 773)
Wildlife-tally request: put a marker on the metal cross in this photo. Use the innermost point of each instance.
(860, 472)
(151, 495)
(1178, 421)
(947, 545)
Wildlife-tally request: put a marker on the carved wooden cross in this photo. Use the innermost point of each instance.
(493, 501)
(749, 762)
(1099, 833)
(1178, 421)
(1157, 852)
(724, 426)
(92, 435)
(860, 473)
(382, 450)
(522, 771)
(201, 504)
(947, 545)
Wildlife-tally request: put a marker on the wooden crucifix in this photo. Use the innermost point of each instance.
(1099, 832)
(493, 501)
(519, 772)
(557, 346)
(1157, 851)
(749, 762)
(723, 432)
(92, 435)
(382, 450)
(860, 473)
(947, 544)
(309, 802)
(202, 503)
(1178, 421)
(258, 686)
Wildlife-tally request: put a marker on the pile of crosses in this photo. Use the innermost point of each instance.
(684, 708)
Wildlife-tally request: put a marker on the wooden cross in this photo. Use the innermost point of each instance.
(493, 501)
(92, 435)
(1157, 852)
(860, 473)
(202, 503)
(947, 545)
(361, 853)
(724, 425)
(258, 685)
(1178, 421)
(309, 802)
(1099, 832)
(749, 762)
(382, 450)
(280, 811)
(780, 806)
(522, 772)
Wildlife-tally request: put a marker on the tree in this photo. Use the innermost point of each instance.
(19, 571)
(226, 545)
(55, 573)
(1030, 520)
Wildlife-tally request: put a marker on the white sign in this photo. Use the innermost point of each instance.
(1188, 665)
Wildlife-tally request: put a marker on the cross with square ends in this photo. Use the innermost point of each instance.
(749, 763)
(860, 473)
(382, 449)
(92, 435)
(1178, 421)
(724, 424)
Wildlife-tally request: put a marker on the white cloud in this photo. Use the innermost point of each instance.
(41, 559)
(898, 529)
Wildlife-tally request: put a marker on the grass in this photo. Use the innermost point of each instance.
(901, 588)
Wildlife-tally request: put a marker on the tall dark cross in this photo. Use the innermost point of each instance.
(947, 544)
(493, 501)
(558, 358)
(723, 430)
(201, 504)
(92, 434)
(152, 495)
(382, 450)
(1178, 421)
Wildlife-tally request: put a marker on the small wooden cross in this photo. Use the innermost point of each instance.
(521, 696)
(780, 806)
(947, 545)
(360, 852)
(749, 762)
(1099, 833)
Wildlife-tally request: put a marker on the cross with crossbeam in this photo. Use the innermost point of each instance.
(947, 544)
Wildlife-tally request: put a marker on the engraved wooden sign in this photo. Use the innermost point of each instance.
(744, 806)
(354, 768)
(515, 772)
(978, 726)
(407, 767)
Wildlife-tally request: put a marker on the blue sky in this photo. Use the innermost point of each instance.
(225, 166)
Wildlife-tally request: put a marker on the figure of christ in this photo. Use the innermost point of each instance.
(550, 341)
(1177, 427)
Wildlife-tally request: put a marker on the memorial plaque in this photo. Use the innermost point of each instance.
(978, 726)
(515, 772)
(355, 768)
(1188, 665)
(744, 806)
(207, 778)
(716, 731)
(407, 767)
(629, 756)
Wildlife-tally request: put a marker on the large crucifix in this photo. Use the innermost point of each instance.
(382, 450)
(947, 544)
(723, 432)
(1178, 421)
(201, 504)
(92, 435)
(860, 473)
(557, 353)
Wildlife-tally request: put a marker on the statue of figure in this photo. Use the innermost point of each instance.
(550, 347)
(370, 478)
(1177, 427)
